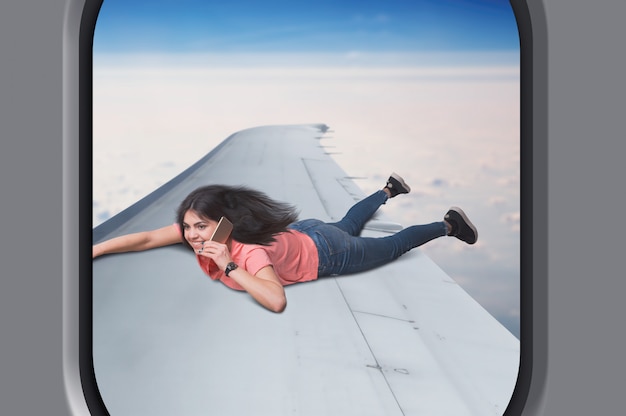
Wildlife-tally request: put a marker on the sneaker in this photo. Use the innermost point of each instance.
(396, 185)
(462, 227)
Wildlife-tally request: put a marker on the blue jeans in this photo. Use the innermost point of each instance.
(342, 251)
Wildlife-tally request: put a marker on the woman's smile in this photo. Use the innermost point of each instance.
(197, 229)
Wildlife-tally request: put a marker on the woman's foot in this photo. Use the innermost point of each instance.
(460, 226)
(396, 185)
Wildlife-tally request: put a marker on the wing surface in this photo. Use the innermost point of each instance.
(404, 339)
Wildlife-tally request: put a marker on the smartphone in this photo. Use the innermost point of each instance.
(222, 231)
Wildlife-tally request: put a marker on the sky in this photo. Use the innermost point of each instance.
(429, 89)
(297, 26)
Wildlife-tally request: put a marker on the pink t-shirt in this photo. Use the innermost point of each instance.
(293, 256)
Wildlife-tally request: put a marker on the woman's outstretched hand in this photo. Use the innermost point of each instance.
(96, 251)
(140, 241)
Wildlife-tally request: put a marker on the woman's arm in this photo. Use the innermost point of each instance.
(264, 287)
(144, 240)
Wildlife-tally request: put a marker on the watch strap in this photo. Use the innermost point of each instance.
(230, 267)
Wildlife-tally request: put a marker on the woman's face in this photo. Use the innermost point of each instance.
(197, 229)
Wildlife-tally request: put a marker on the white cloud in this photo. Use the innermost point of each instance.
(512, 219)
(497, 201)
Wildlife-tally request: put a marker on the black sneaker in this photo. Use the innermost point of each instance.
(462, 227)
(396, 185)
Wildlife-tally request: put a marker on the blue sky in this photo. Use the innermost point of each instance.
(244, 26)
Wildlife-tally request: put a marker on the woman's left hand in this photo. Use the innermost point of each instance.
(217, 252)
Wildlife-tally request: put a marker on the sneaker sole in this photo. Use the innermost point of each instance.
(467, 221)
(401, 180)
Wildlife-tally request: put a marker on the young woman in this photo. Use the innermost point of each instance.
(269, 248)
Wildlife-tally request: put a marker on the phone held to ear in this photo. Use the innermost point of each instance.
(222, 231)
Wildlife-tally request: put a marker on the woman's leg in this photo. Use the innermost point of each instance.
(369, 253)
(344, 254)
(360, 213)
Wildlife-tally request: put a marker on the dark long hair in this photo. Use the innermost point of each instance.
(255, 216)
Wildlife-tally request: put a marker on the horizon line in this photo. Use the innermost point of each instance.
(479, 58)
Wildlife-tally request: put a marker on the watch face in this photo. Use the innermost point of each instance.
(229, 268)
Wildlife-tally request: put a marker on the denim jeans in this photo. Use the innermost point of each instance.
(342, 251)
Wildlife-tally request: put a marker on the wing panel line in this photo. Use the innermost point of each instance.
(377, 364)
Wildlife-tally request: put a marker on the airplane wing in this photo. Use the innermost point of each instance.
(403, 339)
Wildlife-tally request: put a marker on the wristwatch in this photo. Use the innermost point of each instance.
(230, 267)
